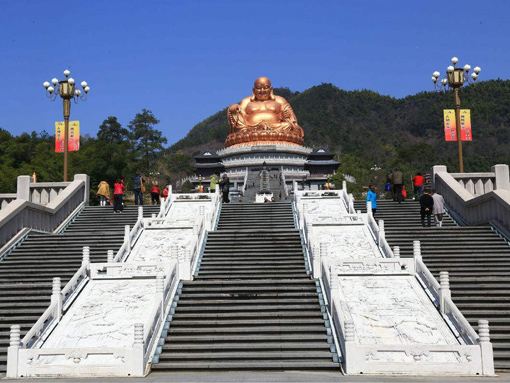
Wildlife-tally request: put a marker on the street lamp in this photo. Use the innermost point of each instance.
(454, 79)
(66, 90)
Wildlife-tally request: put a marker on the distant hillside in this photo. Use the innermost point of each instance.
(374, 129)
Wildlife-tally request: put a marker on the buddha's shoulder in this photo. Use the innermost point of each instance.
(280, 100)
(245, 101)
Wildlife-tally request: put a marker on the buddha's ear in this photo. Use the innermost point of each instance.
(253, 98)
(271, 95)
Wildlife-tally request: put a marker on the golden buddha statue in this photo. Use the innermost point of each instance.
(263, 118)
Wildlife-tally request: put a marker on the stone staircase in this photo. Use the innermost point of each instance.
(476, 257)
(26, 274)
(252, 305)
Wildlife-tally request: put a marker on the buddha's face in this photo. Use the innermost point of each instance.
(262, 89)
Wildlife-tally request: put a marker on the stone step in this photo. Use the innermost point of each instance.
(248, 355)
(298, 364)
(252, 330)
(247, 322)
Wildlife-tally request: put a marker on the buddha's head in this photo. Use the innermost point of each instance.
(262, 89)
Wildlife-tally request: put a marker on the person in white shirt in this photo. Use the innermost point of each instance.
(438, 209)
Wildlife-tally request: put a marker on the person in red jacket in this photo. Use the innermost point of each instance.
(165, 193)
(418, 181)
(118, 192)
(155, 192)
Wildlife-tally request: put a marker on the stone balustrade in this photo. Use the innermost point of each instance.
(468, 196)
(6, 199)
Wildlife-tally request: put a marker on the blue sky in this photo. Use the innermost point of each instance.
(185, 60)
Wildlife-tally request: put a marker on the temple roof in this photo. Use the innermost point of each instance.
(208, 154)
(322, 162)
(209, 165)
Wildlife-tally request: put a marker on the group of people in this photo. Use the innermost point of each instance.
(103, 192)
(431, 202)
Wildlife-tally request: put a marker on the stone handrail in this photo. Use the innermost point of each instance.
(23, 213)
(474, 209)
(6, 199)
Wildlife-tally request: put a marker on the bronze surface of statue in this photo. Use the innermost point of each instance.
(263, 118)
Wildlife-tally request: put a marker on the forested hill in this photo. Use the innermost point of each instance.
(367, 127)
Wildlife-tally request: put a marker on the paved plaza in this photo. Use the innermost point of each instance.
(250, 377)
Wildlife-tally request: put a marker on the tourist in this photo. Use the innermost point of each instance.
(418, 181)
(138, 186)
(372, 197)
(155, 192)
(389, 188)
(426, 207)
(118, 192)
(103, 191)
(397, 178)
(225, 188)
(273, 199)
(165, 192)
(438, 209)
(214, 181)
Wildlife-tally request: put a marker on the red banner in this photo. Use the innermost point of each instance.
(465, 125)
(73, 144)
(450, 128)
(59, 137)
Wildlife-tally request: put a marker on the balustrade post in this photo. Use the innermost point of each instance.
(186, 261)
(160, 291)
(13, 351)
(56, 296)
(138, 367)
(344, 186)
(86, 257)
(201, 210)
(396, 251)
(127, 240)
(349, 343)
(208, 221)
(333, 280)
(162, 207)
(444, 290)
(153, 216)
(416, 254)
(381, 235)
(109, 256)
(140, 212)
(369, 208)
(486, 347)
(317, 257)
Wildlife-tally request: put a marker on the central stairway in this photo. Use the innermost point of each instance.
(476, 257)
(26, 274)
(252, 305)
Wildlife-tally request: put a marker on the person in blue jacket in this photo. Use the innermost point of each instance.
(372, 197)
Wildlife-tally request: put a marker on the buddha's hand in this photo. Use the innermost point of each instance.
(234, 108)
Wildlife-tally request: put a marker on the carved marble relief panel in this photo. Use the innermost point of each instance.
(392, 310)
(351, 242)
(156, 244)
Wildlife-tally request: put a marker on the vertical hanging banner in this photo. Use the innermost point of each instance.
(73, 144)
(450, 127)
(465, 125)
(59, 137)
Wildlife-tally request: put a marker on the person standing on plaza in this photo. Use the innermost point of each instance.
(426, 207)
(418, 181)
(103, 191)
(118, 192)
(137, 186)
(397, 178)
(372, 197)
(214, 182)
(165, 192)
(155, 192)
(225, 188)
(438, 209)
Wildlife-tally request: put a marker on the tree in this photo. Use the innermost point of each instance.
(112, 131)
(147, 141)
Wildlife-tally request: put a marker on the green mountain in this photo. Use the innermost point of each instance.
(367, 128)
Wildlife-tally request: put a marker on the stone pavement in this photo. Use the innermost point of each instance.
(274, 377)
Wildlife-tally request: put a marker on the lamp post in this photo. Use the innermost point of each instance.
(66, 90)
(455, 78)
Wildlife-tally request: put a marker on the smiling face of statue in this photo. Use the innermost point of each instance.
(262, 89)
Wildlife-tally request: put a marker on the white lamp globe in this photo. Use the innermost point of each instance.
(51, 89)
(77, 92)
(436, 74)
(83, 84)
(71, 81)
(434, 80)
(444, 81)
(54, 81)
(46, 84)
(86, 89)
(477, 69)
(67, 73)
(474, 76)
(450, 69)
(455, 60)
(467, 68)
